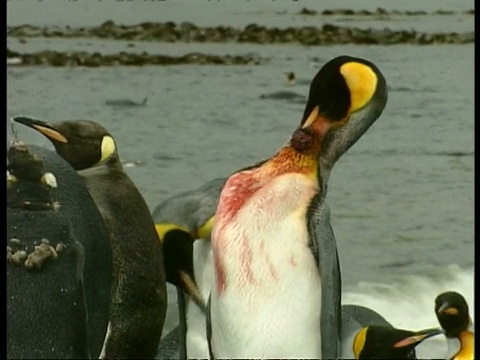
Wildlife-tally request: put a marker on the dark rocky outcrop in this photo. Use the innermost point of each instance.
(55, 58)
(328, 34)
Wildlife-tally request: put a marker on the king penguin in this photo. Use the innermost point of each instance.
(139, 298)
(368, 335)
(453, 314)
(184, 223)
(277, 286)
(59, 262)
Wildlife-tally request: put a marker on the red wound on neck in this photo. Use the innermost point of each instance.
(302, 139)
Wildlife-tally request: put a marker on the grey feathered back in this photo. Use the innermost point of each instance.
(192, 208)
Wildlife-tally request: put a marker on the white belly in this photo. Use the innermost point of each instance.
(270, 307)
(197, 346)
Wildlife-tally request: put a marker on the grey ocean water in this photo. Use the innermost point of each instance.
(402, 198)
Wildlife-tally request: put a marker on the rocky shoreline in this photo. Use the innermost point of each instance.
(171, 32)
(82, 58)
(381, 12)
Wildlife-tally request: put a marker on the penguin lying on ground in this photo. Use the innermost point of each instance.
(452, 313)
(59, 263)
(139, 297)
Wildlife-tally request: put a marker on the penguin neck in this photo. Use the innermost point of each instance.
(110, 164)
(461, 347)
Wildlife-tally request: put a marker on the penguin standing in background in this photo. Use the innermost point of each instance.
(453, 314)
(139, 297)
(368, 335)
(184, 223)
(59, 263)
(272, 241)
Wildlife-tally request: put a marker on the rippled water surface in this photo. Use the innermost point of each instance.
(402, 198)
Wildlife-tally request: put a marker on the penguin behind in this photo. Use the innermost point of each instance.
(453, 314)
(139, 297)
(272, 240)
(59, 264)
(184, 222)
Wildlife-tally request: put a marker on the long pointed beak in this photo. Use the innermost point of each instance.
(42, 127)
(418, 337)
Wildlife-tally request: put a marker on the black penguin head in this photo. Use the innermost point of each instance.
(178, 253)
(382, 342)
(29, 185)
(82, 143)
(346, 96)
(452, 313)
(177, 245)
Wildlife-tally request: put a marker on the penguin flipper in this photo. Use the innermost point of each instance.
(82, 316)
(324, 248)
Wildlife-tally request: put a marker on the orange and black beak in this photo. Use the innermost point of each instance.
(43, 127)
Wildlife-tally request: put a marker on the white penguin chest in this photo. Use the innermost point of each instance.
(270, 303)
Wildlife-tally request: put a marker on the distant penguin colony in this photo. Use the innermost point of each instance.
(252, 255)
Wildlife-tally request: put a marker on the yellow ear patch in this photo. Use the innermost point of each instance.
(50, 133)
(359, 342)
(162, 229)
(204, 231)
(362, 83)
(108, 147)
